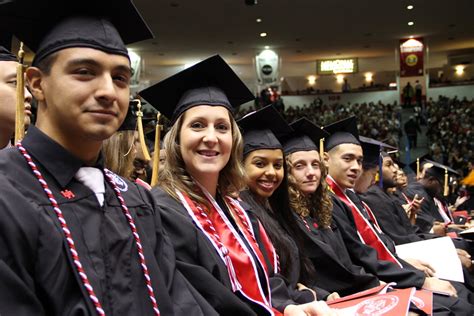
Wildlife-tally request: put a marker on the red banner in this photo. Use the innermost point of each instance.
(411, 57)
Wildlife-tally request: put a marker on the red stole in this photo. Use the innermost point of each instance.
(364, 228)
(241, 266)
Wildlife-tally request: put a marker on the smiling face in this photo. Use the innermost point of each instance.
(84, 96)
(265, 171)
(345, 164)
(205, 141)
(306, 170)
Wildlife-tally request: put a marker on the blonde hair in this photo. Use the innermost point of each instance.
(232, 177)
(118, 153)
(318, 205)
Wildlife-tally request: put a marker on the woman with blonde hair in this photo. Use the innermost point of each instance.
(220, 248)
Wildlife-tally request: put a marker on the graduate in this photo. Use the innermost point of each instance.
(8, 91)
(367, 244)
(76, 239)
(267, 196)
(312, 209)
(220, 247)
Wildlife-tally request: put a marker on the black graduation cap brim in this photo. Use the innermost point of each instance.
(261, 129)
(441, 166)
(47, 26)
(305, 137)
(174, 95)
(5, 46)
(342, 132)
(371, 150)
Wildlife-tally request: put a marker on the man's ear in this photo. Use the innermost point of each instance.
(34, 77)
(326, 159)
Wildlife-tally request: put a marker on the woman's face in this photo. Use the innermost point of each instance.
(265, 172)
(205, 140)
(306, 170)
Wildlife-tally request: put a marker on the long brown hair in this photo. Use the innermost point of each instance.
(118, 153)
(318, 205)
(174, 177)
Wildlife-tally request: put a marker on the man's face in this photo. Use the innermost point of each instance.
(84, 97)
(345, 164)
(8, 98)
(389, 173)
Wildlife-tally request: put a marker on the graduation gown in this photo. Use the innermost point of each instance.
(428, 212)
(335, 270)
(37, 273)
(290, 263)
(392, 217)
(200, 263)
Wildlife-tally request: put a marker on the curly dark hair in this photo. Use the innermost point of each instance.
(318, 205)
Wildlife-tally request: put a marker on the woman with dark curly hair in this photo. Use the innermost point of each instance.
(312, 206)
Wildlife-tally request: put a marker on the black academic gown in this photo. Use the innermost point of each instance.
(391, 217)
(428, 212)
(200, 263)
(335, 270)
(289, 264)
(387, 271)
(36, 269)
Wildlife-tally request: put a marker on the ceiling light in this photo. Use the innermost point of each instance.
(263, 34)
(411, 23)
(410, 7)
(369, 76)
(459, 70)
(311, 80)
(340, 78)
(411, 36)
(267, 47)
(258, 20)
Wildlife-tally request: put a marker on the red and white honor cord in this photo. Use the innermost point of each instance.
(70, 240)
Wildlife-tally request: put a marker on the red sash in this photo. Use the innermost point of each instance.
(241, 266)
(364, 228)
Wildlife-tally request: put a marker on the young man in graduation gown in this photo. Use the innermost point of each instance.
(8, 90)
(76, 239)
(344, 156)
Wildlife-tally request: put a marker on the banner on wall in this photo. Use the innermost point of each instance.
(411, 57)
(267, 65)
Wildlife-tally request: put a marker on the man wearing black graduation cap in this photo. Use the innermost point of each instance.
(344, 158)
(75, 239)
(8, 82)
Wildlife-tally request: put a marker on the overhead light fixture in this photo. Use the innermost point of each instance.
(411, 36)
(411, 23)
(369, 76)
(459, 70)
(259, 20)
(340, 78)
(267, 47)
(311, 80)
(410, 7)
(263, 34)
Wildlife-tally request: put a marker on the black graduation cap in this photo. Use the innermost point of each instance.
(130, 122)
(421, 161)
(305, 137)
(342, 132)
(5, 47)
(210, 82)
(47, 26)
(441, 172)
(372, 150)
(261, 129)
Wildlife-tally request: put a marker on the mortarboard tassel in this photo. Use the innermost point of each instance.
(141, 134)
(156, 154)
(20, 97)
(321, 148)
(446, 186)
(417, 167)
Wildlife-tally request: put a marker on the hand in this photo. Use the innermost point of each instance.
(439, 229)
(465, 259)
(333, 296)
(460, 200)
(435, 284)
(316, 308)
(302, 287)
(422, 266)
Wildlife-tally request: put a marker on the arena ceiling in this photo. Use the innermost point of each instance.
(299, 30)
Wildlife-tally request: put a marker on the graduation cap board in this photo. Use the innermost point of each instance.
(47, 26)
(374, 151)
(261, 129)
(342, 132)
(5, 47)
(210, 82)
(441, 173)
(418, 164)
(304, 137)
